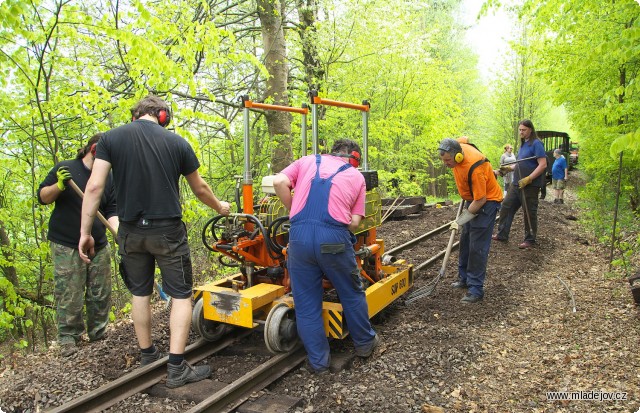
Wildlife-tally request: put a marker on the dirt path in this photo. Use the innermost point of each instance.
(523, 341)
(438, 355)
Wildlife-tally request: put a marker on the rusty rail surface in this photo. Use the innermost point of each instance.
(236, 393)
(142, 378)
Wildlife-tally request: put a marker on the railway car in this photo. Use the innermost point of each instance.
(555, 140)
(255, 240)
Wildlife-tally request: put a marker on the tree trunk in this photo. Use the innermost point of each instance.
(271, 14)
(8, 270)
(432, 184)
(314, 72)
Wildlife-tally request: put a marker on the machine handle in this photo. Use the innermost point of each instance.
(249, 104)
(321, 101)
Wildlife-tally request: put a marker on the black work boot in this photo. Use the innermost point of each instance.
(148, 358)
(68, 348)
(181, 374)
(321, 372)
(471, 299)
(366, 351)
(459, 284)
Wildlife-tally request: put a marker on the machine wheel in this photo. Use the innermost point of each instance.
(207, 329)
(280, 334)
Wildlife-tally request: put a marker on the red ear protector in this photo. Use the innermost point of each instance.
(354, 158)
(164, 117)
(93, 149)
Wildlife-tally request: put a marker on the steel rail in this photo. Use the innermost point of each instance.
(429, 287)
(436, 257)
(419, 239)
(236, 393)
(142, 378)
(439, 255)
(423, 237)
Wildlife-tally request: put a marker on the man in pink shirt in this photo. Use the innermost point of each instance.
(328, 203)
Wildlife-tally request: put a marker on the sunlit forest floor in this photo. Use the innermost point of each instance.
(553, 319)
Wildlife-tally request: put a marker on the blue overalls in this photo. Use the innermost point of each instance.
(319, 245)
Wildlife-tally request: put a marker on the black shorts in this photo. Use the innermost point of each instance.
(141, 247)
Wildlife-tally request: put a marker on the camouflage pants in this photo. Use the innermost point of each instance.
(78, 284)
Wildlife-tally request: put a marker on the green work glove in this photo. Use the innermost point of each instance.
(63, 175)
(524, 181)
(465, 217)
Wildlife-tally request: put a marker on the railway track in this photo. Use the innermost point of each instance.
(142, 378)
(237, 392)
(226, 397)
(223, 398)
(392, 253)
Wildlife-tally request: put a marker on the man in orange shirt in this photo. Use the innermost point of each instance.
(482, 196)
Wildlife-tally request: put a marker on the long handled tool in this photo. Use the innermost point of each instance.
(518, 161)
(101, 217)
(391, 209)
(523, 200)
(113, 231)
(428, 288)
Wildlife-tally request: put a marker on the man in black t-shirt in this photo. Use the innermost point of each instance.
(78, 283)
(147, 162)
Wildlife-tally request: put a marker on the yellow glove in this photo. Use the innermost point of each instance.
(505, 170)
(524, 181)
(63, 175)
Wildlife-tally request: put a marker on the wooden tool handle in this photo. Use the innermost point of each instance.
(100, 216)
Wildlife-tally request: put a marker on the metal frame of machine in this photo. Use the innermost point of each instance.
(255, 240)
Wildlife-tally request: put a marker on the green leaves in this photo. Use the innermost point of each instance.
(590, 52)
(628, 143)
